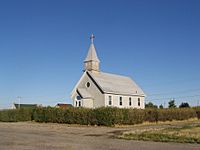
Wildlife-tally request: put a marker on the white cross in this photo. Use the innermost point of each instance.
(92, 38)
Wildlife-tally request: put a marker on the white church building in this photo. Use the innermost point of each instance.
(100, 89)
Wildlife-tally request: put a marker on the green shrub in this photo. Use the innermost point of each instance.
(38, 114)
(106, 116)
(14, 115)
(165, 114)
(197, 109)
(25, 115)
(78, 116)
(176, 114)
(151, 115)
(69, 115)
(8, 115)
(198, 114)
(133, 116)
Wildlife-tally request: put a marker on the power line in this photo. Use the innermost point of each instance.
(174, 97)
(172, 82)
(37, 96)
(168, 93)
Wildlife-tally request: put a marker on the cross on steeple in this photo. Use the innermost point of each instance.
(92, 62)
(92, 38)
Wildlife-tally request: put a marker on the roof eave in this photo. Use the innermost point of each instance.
(126, 94)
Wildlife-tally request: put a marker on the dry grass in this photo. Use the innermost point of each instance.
(162, 123)
(182, 132)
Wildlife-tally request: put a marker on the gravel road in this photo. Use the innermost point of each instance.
(36, 136)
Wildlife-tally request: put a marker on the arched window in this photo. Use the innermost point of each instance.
(78, 97)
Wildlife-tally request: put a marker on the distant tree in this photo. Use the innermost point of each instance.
(171, 104)
(184, 105)
(150, 105)
(161, 106)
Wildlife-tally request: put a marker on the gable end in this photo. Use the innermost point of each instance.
(79, 93)
(95, 83)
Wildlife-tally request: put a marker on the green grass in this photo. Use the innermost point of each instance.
(185, 134)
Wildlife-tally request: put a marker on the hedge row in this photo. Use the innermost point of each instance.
(100, 116)
(15, 115)
(197, 109)
(154, 115)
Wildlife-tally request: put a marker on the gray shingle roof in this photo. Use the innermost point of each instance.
(116, 84)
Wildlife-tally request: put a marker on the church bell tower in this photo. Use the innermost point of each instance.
(92, 62)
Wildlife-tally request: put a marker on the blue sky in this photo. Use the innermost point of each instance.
(43, 44)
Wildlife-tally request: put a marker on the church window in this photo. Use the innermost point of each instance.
(78, 97)
(110, 100)
(130, 101)
(88, 84)
(76, 103)
(120, 101)
(138, 101)
(79, 104)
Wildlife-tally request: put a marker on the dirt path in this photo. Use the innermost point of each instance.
(35, 136)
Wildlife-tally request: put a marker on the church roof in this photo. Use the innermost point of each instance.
(84, 93)
(116, 84)
(92, 55)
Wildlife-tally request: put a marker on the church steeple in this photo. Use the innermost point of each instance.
(92, 61)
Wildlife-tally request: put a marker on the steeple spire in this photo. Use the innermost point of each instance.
(92, 61)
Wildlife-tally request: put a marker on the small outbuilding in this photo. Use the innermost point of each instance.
(63, 106)
(31, 106)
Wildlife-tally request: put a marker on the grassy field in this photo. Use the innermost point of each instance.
(184, 132)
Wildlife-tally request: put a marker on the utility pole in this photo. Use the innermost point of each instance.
(19, 101)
